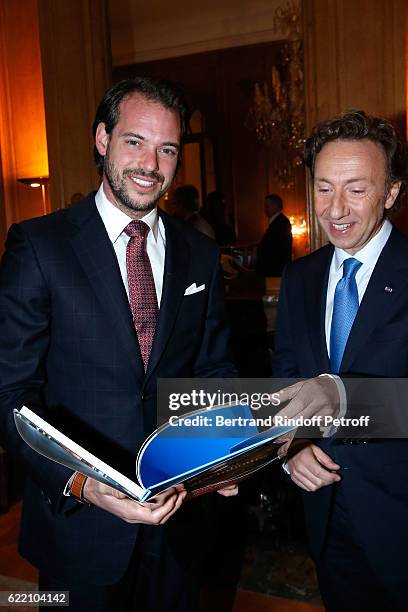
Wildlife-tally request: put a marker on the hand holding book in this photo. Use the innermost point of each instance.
(155, 512)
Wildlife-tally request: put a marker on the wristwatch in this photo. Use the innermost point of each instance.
(76, 487)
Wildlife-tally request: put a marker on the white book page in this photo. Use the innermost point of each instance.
(81, 454)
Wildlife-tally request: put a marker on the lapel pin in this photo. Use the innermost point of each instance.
(388, 289)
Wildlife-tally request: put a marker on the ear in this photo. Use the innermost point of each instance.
(392, 195)
(101, 139)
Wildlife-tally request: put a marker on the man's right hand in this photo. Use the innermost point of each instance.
(311, 468)
(155, 512)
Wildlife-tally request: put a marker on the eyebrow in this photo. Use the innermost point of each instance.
(176, 145)
(352, 180)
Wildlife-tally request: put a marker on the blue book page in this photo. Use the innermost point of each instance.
(170, 458)
(174, 452)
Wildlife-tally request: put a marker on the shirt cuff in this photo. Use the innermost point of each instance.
(286, 468)
(330, 430)
(67, 489)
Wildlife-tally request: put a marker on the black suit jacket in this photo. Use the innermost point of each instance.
(275, 248)
(373, 477)
(69, 350)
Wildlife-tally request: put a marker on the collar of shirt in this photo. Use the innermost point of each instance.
(115, 220)
(369, 254)
(272, 219)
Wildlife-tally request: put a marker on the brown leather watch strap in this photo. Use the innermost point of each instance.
(77, 487)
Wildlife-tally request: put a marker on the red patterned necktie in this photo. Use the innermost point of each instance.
(142, 292)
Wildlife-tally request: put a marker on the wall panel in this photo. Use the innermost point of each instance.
(355, 58)
(23, 149)
(76, 69)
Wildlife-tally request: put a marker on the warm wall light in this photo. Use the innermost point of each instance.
(34, 181)
(37, 181)
(299, 227)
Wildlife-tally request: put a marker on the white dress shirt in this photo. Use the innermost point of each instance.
(115, 222)
(368, 256)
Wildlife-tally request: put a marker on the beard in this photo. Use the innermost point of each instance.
(119, 186)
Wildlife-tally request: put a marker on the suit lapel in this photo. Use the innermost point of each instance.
(98, 260)
(175, 275)
(391, 271)
(315, 285)
(176, 268)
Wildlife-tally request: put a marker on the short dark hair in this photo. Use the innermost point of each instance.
(161, 91)
(276, 199)
(358, 125)
(188, 197)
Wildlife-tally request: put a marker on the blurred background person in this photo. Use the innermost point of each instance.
(186, 206)
(75, 198)
(275, 248)
(215, 214)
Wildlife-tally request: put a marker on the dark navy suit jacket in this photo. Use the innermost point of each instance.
(69, 349)
(275, 248)
(374, 478)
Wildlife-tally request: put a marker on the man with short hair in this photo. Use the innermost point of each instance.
(186, 206)
(344, 309)
(94, 308)
(275, 248)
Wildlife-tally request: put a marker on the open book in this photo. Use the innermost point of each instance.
(224, 447)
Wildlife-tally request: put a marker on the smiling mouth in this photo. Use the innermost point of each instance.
(341, 227)
(142, 182)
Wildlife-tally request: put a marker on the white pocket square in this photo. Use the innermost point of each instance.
(194, 289)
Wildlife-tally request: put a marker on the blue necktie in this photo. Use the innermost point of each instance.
(345, 308)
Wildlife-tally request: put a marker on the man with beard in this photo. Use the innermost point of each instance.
(97, 302)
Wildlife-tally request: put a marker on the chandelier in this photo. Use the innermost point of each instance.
(277, 111)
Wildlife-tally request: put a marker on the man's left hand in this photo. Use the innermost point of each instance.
(315, 396)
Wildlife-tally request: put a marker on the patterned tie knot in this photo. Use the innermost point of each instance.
(350, 267)
(137, 229)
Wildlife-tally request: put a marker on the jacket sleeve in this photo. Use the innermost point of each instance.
(25, 321)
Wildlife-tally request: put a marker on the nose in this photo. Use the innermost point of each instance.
(338, 206)
(149, 161)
